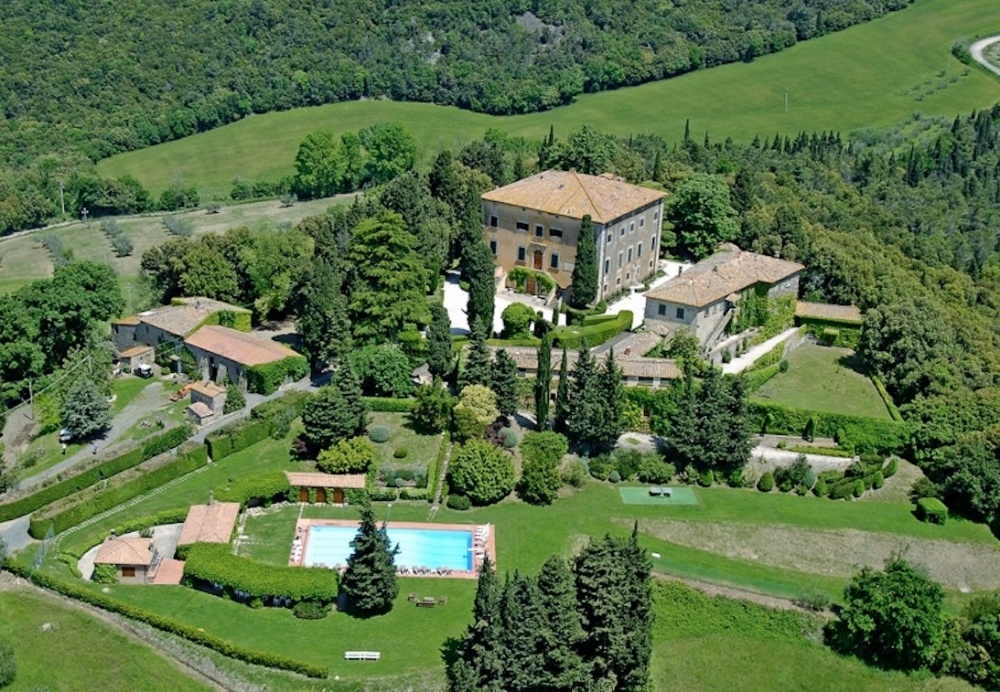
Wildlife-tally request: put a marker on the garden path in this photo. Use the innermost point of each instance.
(738, 365)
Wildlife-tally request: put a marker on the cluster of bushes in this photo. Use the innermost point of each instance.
(865, 474)
(260, 488)
(89, 505)
(594, 334)
(193, 634)
(267, 377)
(270, 419)
(60, 256)
(541, 452)
(177, 226)
(398, 478)
(854, 433)
(249, 581)
(119, 241)
(152, 447)
(630, 464)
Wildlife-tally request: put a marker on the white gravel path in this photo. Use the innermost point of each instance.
(738, 365)
(979, 47)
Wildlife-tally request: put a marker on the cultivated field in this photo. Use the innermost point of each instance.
(872, 75)
(822, 378)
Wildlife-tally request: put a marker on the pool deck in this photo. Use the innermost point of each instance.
(483, 543)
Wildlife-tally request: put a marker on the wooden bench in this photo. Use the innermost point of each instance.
(362, 655)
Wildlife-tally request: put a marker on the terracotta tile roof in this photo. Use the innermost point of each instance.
(325, 480)
(241, 347)
(632, 364)
(574, 195)
(135, 351)
(200, 409)
(184, 316)
(209, 523)
(637, 344)
(131, 319)
(209, 389)
(721, 275)
(827, 311)
(125, 551)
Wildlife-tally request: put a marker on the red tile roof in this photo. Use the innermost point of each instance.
(325, 480)
(209, 523)
(240, 347)
(125, 551)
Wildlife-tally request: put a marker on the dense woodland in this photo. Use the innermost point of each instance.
(109, 77)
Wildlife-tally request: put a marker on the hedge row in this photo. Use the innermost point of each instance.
(213, 562)
(828, 333)
(154, 446)
(387, 405)
(434, 472)
(886, 399)
(237, 436)
(290, 403)
(594, 334)
(263, 487)
(181, 629)
(112, 497)
(167, 516)
(755, 379)
(851, 432)
(932, 510)
(267, 377)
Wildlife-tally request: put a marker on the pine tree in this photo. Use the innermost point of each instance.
(585, 275)
(562, 396)
(479, 662)
(504, 382)
(478, 362)
(337, 412)
(440, 358)
(585, 406)
(370, 578)
(562, 668)
(543, 384)
(86, 411)
(349, 384)
(612, 401)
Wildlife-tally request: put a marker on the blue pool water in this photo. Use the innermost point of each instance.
(331, 545)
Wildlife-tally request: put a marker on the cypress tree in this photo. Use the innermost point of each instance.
(585, 270)
(370, 578)
(543, 384)
(562, 668)
(684, 434)
(323, 323)
(522, 621)
(477, 270)
(478, 362)
(349, 385)
(585, 406)
(440, 358)
(478, 664)
(612, 399)
(562, 396)
(713, 428)
(657, 168)
(739, 442)
(503, 380)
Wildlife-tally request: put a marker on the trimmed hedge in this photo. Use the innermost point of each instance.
(851, 432)
(264, 487)
(755, 379)
(238, 436)
(293, 401)
(931, 509)
(167, 516)
(594, 334)
(181, 629)
(887, 399)
(386, 405)
(247, 579)
(106, 499)
(152, 447)
(434, 472)
(267, 377)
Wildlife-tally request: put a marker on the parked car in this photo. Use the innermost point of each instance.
(144, 371)
(65, 435)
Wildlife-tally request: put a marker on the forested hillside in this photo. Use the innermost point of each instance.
(107, 76)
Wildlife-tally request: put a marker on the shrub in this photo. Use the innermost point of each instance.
(235, 400)
(540, 481)
(482, 472)
(706, 478)
(627, 462)
(310, 610)
(8, 664)
(655, 469)
(355, 455)
(783, 366)
(859, 488)
(105, 574)
(820, 489)
(517, 319)
(614, 476)
(931, 509)
(735, 479)
(459, 502)
(842, 490)
(815, 601)
(891, 468)
(378, 433)
(877, 480)
(548, 445)
(509, 436)
(574, 475)
(766, 482)
(601, 468)
(400, 453)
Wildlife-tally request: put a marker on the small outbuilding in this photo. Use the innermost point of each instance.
(213, 523)
(135, 559)
(199, 413)
(208, 393)
(326, 487)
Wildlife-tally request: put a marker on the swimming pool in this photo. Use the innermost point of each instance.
(433, 548)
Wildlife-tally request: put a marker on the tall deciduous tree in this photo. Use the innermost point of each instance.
(585, 270)
(323, 324)
(543, 384)
(391, 150)
(86, 411)
(319, 166)
(503, 378)
(702, 215)
(387, 291)
(370, 578)
(440, 358)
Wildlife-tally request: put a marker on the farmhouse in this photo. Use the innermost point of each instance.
(134, 558)
(137, 336)
(535, 223)
(221, 353)
(705, 298)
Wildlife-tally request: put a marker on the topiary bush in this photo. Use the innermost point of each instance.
(706, 478)
(859, 488)
(400, 453)
(820, 489)
(509, 437)
(932, 510)
(379, 434)
(614, 476)
(8, 664)
(878, 480)
(459, 502)
(766, 482)
(891, 468)
(310, 610)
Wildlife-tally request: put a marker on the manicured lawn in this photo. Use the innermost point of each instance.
(872, 75)
(421, 449)
(821, 378)
(76, 651)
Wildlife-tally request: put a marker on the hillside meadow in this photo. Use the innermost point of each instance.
(872, 75)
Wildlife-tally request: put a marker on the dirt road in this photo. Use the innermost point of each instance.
(979, 47)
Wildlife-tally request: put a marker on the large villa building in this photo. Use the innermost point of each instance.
(535, 223)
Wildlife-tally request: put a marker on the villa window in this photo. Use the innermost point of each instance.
(622, 231)
(638, 251)
(522, 226)
(630, 254)
(555, 233)
(661, 309)
(554, 261)
(607, 266)
(652, 243)
(679, 314)
(631, 227)
(610, 236)
(494, 221)
(621, 257)
(642, 222)
(493, 247)
(539, 230)
(521, 253)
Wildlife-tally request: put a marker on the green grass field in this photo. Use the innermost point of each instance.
(872, 75)
(822, 378)
(421, 450)
(77, 652)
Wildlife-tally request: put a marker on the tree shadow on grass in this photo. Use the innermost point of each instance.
(852, 361)
(450, 650)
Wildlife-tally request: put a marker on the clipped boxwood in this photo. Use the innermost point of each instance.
(401, 453)
(379, 434)
(193, 634)
(214, 563)
(891, 468)
(459, 502)
(766, 482)
(931, 509)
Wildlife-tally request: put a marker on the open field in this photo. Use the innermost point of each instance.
(24, 259)
(76, 651)
(871, 75)
(822, 378)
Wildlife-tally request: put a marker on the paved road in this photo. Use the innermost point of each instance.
(979, 47)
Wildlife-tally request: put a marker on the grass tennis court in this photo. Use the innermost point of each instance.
(640, 496)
